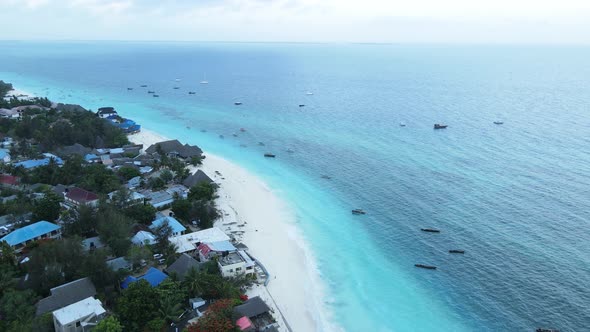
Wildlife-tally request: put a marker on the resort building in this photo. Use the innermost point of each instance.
(77, 196)
(40, 230)
(158, 199)
(175, 225)
(174, 148)
(182, 266)
(80, 316)
(258, 316)
(197, 178)
(214, 249)
(235, 263)
(33, 163)
(66, 294)
(142, 238)
(188, 243)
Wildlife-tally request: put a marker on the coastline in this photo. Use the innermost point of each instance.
(247, 204)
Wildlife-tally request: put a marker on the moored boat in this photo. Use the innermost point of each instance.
(327, 177)
(156, 95)
(143, 86)
(456, 251)
(269, 155)
(358, 211)
(238, 103)
(176, 88)
(498, 122)
(301, 105)
(430, 230)
(151, 91)
(191, 92)
(129, 88)
(402, 124)
(439, 126)
(423, 266)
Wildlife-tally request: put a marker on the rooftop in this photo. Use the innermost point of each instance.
(8, 179)
(172, 222)
(76, 311)
(142, 237)
(153, 276)
(187, 242)
(174, 146)
(218, 246)
(118, 263)
(196, 178)
(231, 259)
(252, 308)
(182, 265)
(66, 294)
(80, 195)
(30, 232)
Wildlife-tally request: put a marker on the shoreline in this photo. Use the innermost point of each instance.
(266, 225)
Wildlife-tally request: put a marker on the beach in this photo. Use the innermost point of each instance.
(255, 216)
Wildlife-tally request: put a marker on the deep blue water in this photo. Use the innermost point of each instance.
(514, 196)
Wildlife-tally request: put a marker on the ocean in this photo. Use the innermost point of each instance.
(514, 196)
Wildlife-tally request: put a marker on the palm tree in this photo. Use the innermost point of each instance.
(195, 282)
(169, 309)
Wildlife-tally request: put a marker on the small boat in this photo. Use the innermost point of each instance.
(156, 95)
(243, 130)
(290, 151)
(151, 91)
(269, 155)
(327, 177)
(203, 130)
(187, 127)
(143, 86)
(220, 136)
(177, 80)
(546, 330)
(234, 135)
(176, 88)
(238, 103)
(301, 105)
(430, 230)
(129, 89)
(428, 267)
(204, 81)
(402, 124)
(456, 251)
(439, 126)
(191, 92)
(498, 122)
(309, 93)
(358, 211)
(260, 143)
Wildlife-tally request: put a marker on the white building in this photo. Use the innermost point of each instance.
(189, 242)
(79, 316)
(235, 264)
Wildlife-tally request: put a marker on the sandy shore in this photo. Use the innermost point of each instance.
(257, 218)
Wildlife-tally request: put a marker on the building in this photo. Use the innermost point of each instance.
(75, 149)
(197, 178)
(33, 163)
(66, 294)
(40, 230)
(174, 148)
(78, 196)
(235, 263)
(92, 243)
(79, 316)
(153, 276)
(258, 314)
(214, 249)
(8, 180)
(189, 242)
(179, 190)
(119, 263)
(182, 266)
(142, 238)
(4, 155)
(105, 112)
(158, 199)
(175, 225)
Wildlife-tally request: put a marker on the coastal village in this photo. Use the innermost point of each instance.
(100, 233)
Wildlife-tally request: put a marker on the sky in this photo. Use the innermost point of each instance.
(378, 21)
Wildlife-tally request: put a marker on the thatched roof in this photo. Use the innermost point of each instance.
(196, 178)
(174, 146)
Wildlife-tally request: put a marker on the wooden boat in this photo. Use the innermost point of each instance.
(176, 88)
(439, 126)
(151, 91)
(358, 211)
(260, 143)
(144, 86)
(156, 95)
(402, 124)
(428, 267)
(430, 230)
(243, 130)
(269, 155)
(301, 105)
(191, 92)
(238, 103)
(456, 251)
(546, 330)
(498, 122)
(129, 89)
(327, 177)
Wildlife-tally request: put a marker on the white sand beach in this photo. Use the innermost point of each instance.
(263, 222)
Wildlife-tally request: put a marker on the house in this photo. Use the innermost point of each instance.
(214, 249)
(158, 199)
(78, 196)
(134, 182)
(9, 180)
(179, 190)
(189, 242)
(33, 163)
(142, 237)
(92, 243)
(75, 149)
(235, 263)
(196, 178)
(64, 295)
(175, 225)
(105, 112)
(40, 230)
(182, 266)
(258, 314)
(245, 324)
(119, 263)
(133, 198)
(199, 305)
(91, 158)
(79, 316)
(153, 276)
(9, 113)
(4, 155)
(174, 148)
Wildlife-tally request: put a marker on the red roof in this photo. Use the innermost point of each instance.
(80, 195)
(244, 323)
(204, 249)
(8, 179)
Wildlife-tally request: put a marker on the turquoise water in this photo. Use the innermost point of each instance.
(514, 196)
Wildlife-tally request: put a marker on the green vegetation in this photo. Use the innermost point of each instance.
(199, 206)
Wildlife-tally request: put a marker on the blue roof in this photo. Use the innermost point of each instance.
(153, 276)
(30, 232)
(172, 222)
(40, 162)
(90, 157)
(221, 246)
(4, 153)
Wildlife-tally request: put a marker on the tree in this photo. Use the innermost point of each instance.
(166, 176)
(203, 190)
(163, 232)
(217, 319)
(7, 275)
(95, 267)
(156, 183)
(113, 229)
(82, 221)
(128, 172)
(138, 253)
(137, 305)
(181, 208)
(47, 208)
(121, 197)
(142, 213)
(18, 306)
(109, 324)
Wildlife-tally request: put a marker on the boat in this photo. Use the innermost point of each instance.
(456, 251)
(129, 88)
(238, 103)
(498, 122)
(546, 330)
(203, 130)
(269, 155)
(220, 136)
(290, 151)
(143, 86)
(204, 81)
(156, 95)
(423, 266)
(176, 88)
(151, 91)
(430, 230)
(309, 93)
(327, 177)
(301, 105)
(235, 135)
(260, 143)
(177, 80)
(358, 211)
(191, 92)
(243, 130)
(402, 124)
(439, 126)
